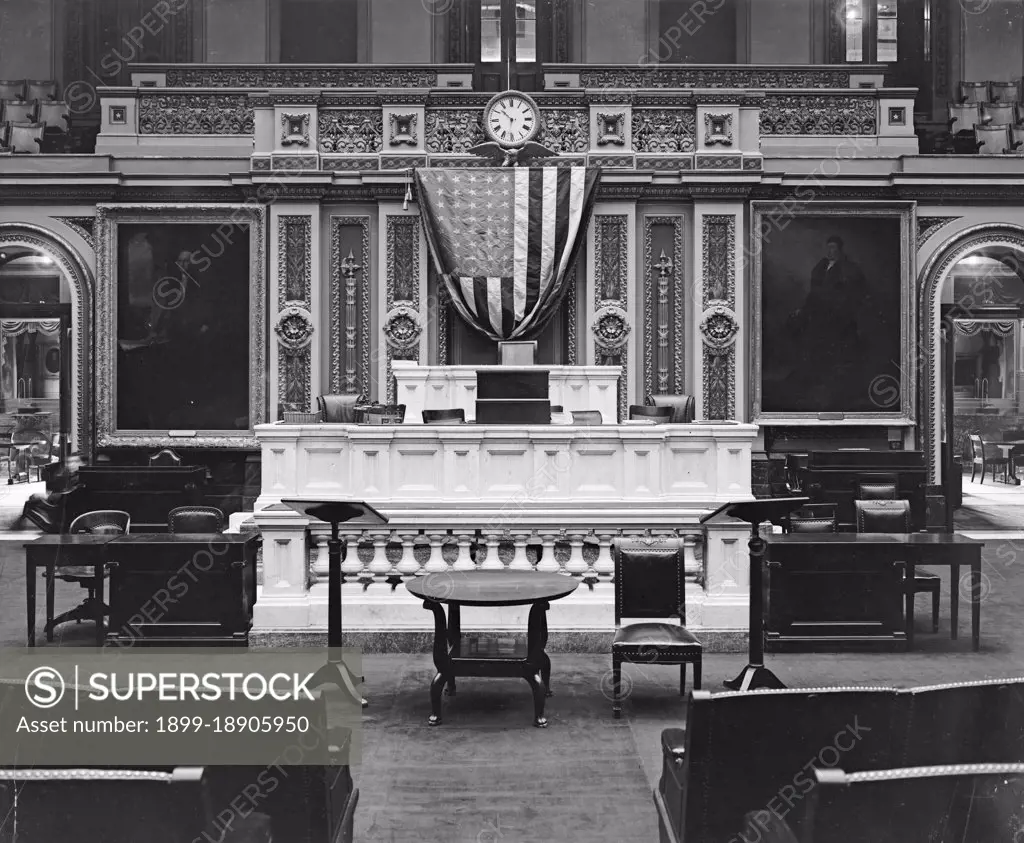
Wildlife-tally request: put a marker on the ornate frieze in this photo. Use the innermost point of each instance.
(665, 130)
(294, 162)
(565, 130)
(82, 226)
(676, 76)
(453, 130)
(664, 298)
(611, 298)
(349, 163)
(350, 130)
(718, 323)
(350, 306)
(927, 226)
(291, 76)
(403, 288)
(719, 162)
(815, 114)
(612, 161)
(195, 114)
(293, 325)
(662, 163)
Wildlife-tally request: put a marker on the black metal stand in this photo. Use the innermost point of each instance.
(755, 675)
(336, 672)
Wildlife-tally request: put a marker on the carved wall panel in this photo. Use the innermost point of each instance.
(810, 114)
(665, 130)
(403, 324)
(566, 130)
(611, 276)
(195, 114)
(718, 323)
(293, 324)
(292, 76)
(453, 130)
(350, 306)
(676, 76)
(350, 130)
(664, 305)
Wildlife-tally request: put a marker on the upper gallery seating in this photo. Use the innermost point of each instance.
(32, 119)
(985, 120)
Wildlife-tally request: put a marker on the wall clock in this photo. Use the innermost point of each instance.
(511, 119)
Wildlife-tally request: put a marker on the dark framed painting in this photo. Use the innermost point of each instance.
(832, 312)
(180, 316)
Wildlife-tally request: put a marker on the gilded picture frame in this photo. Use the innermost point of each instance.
(109, 220)
(844, 355)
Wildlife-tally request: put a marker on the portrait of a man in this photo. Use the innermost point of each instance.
(830, 302)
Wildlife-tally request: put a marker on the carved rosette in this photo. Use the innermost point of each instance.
(294, 327)
(718, 325)
(403, 328)
(611, 329)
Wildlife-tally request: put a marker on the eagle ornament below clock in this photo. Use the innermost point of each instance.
(511, 121)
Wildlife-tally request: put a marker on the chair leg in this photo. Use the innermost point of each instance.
(935, 610)
(974, 470)
(696, 673)
(616, 687)
(682, 679)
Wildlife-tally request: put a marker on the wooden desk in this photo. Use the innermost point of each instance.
(862, 563)
(1009, 474)
(147, 493)
(182, 588)
(64, 550)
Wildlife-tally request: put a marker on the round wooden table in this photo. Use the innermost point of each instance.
(483, 656)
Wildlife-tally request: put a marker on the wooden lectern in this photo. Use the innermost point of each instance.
(755, 675)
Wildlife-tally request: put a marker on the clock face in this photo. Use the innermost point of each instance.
(511, 119)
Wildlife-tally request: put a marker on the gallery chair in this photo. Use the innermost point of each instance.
(976, 92)
(453, 415)
(1000, 112)
(338, 409)
(19, 111)
(26, 138)
(683, 406)
(983, 459)
(654, 414)
(12, 89)
(650, 583)
(883, 487)
(587, 417)
(195, 519)
(40, 89)
(963, 118)
(1004, 92)
(98, 522)
(994, 139)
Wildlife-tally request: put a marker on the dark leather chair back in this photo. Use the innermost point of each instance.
(455, 415)
(812, 524)
(683, 407)
(876, 487)
(587, 417)
(102, 521)
(649, 579)
(964, 723)
(338, 409)
(656, 414)
(195, 519)
(883, 516)
(790, 729)
(971, 802)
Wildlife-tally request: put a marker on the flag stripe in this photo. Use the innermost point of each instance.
(521, 227)
(534, 238)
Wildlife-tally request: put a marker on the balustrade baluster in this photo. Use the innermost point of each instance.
(435, 563)
(576, 564)
(491, 562)
(519, 561)
(464, 561)
(380, 565)
(547, 557)
(408, 566)
(604, 565)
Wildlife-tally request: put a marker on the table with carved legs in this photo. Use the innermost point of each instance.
(482, 655)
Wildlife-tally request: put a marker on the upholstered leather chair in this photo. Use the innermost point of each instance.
(981, 457)
(683, 407)
(195, 519)
(654, 414)
(650, 583)
(813, 518)
(882, 487)
(338, 409)
(98, 522)
(587, 417)
(453, 415)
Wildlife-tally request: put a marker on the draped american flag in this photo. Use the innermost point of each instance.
(503, 239)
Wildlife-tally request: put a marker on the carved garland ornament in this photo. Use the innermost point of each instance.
(402, 327)
(719, 327)
(294, 327)
(611, 328)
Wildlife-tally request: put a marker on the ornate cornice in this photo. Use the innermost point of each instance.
(300, 76)
(683, 76)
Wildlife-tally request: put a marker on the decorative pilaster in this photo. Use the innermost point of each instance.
(718, 324)
(294, 324)
(611, 320)
(403, 325)
(664, 311)
(350, 306)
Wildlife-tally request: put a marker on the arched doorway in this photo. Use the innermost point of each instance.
(46, 300)
(972, 344)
